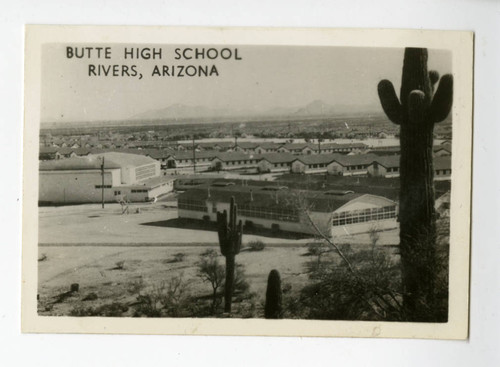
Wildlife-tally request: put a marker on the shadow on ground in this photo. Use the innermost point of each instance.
(200, 225)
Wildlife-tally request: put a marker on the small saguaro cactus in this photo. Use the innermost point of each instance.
(416, 112)
(230, 243)
(273, 307)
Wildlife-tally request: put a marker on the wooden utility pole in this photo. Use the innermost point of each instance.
(102, 182)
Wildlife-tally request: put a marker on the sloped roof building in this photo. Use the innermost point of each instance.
(278, 208)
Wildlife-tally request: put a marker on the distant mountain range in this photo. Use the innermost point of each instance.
(200, 114)
(316, 108)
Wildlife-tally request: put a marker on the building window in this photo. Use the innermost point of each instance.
(280, 214)
(363, 215)
(194, 205)
(118, 193)
(100, 186)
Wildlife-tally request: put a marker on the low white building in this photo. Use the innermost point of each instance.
(123, 176)
(385, 166)
(234, 160)
(442, 168)
(276, 162)
(334, 213)
(317, 163)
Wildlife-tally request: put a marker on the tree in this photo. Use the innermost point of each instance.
(416, 112)
(211, 271)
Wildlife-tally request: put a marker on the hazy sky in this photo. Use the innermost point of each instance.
(265, 78)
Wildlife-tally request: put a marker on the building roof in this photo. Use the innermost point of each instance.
(388, 148)
(279, 157)
(81, 151)
(189, 155)
(342, 146)
(354, 160)
(247, 144)
(317, 158)
(48, 150)
(151, 183)
(390, 161)
(443, 162)
(262, 197)
(93, 162)
(446, 147)
(298, 146)
(270, 145)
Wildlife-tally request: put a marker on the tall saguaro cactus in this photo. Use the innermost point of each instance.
(416, 112)
(230, 244)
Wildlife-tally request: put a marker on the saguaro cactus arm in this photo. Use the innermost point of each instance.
(390, 102)
(443, 99)
(222, 231)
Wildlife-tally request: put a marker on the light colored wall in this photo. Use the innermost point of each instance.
(298, 167)
(365, 227)
(381, 171)
(251, 163)
(161, 190)
(315, 170)
(335, 168)
(76, 186)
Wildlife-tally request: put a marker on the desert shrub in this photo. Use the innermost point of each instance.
(81, 311)
(90, 297)
(249, 224)
(317, 249)
(42, 257)
(371, 292)
(136, 286)
(314, 248)
(177, 258)
(119, 265)
(209, 252)
(248, 308)
(241, 285)
(256, 245)
(165, 299)
(114, 309)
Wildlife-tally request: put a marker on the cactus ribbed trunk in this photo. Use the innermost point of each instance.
(273, 306)
(229, 287)
(416, 114)
(230, 232)
(417, 217)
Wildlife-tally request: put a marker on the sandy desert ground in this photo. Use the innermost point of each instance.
(109, 254)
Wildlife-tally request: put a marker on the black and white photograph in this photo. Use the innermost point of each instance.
(316, 184)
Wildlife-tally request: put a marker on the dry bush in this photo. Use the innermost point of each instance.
(256, 245)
